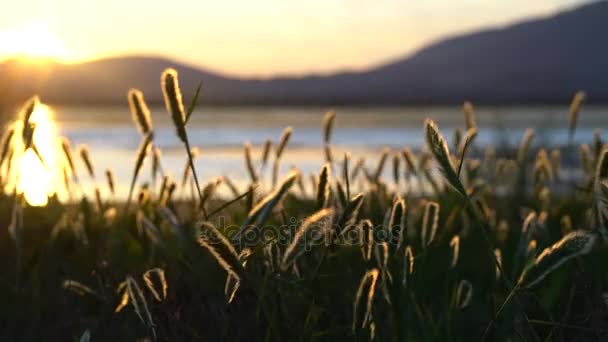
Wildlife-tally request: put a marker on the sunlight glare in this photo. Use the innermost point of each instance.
(34, 180)
(37, 180)
(33, 40)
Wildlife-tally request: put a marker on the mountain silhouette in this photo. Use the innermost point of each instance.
(536, 61)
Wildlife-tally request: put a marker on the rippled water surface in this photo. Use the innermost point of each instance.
(219, 133)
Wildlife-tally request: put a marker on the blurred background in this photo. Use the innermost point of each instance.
(383, 66)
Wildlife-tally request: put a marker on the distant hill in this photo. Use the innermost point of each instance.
(537, 61)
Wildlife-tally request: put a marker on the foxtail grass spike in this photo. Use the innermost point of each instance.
(575, 106)
(408, 265)
(498, 257)
(210, 188)
(396, 160)
(78, 288)
(323, 187)
(26, 113)
(153, 277)
(469, 115)
(296, 248)
(524, 146)
(266, 151)
(464, 294)
(350, 212)
(110, 178)
(84, 155)
(283, 142)
(156, 167)
(221, 249)
(429, 223)
(455, 245)
(574, 244)
(249, 163)
(98, 200)
(365, 297)
(439, 148)
(328, 122)
(345, 174)
(67, 152)
(262, 210)
(173, 101)
(396, 224)
(462, 148)
(140, 111)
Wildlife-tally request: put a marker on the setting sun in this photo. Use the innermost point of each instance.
(34, 40)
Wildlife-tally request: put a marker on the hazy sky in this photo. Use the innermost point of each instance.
(261, 37)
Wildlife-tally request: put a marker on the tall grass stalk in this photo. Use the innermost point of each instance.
(139, 161)
(283, 141)
(173, 101)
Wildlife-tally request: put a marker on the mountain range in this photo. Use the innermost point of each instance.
(542, 60)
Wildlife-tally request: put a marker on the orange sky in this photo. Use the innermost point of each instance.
(261, 38)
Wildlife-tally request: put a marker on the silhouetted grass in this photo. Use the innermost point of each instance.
(452, 248)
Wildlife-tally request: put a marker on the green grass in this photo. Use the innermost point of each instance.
(171, 270)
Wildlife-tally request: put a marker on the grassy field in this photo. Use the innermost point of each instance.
(495, 248)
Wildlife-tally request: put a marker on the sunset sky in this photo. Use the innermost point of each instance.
(263, 37)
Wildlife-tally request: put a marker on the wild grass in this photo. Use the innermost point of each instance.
(475, 243)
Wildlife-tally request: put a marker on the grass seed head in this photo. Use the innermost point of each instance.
(455, 245)
(155, 278)
(67, 152)
(464, 294)
(88, 163)
(574, 244)
(408, 265)
(429, 223)
(440, 151)
(298, 245)
(396, 160)
(365, 296)
(266, 151)
(110, 178)
(220, 247)
(575, 107)
(283, 142)
(26, 113)
(139, 111)
(249, 163)
(323, 186)
(524, 146)
(173, 101)
(328, 122)
(469, 115)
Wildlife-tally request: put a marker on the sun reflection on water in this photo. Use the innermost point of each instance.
(37, 179)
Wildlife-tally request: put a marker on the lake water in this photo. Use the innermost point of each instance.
(219, 133)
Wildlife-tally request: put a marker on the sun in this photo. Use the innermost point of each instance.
(33, 40)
